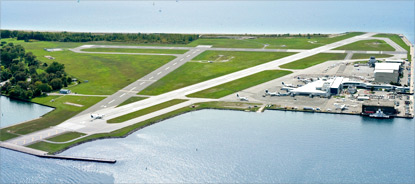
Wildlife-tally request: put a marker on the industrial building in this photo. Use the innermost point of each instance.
(370, 107)
(387, 72)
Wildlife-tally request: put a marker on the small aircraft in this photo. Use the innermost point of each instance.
(341, 107)
(272, 94)
(241, 97)
(97, 116)
(287, 85)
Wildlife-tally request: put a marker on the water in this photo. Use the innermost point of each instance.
(16, 111)
(211, 16)
(227, 146)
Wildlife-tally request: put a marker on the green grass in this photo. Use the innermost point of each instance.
(145, 111)
(274, 43)
(240, 84)
(367, 45)
(66, 137)
(106, 73)
(195, 72)
(131, 100)
(55, 117)
(161, 51)
(367, 56)
(398, 40)
(53, 148)
(313, 60)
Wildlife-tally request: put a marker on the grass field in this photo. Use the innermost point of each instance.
(195, 72)
(240, 84)
(61, 113)
(66, 137)
(106, 73)
(145, 111)
(131, 100)
(273, 43)
(367, 56)
(160, 51)
(313, 60)
(52, 148)
(369, 45)
(397, 39)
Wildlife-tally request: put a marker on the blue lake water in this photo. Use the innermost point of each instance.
(229, 146)
(16, 111)
(225, 146)
(211, 16)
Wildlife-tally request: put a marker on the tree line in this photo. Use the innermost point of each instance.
(26, 77)
(86, 37)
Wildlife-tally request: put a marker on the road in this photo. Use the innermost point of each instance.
(82, 122)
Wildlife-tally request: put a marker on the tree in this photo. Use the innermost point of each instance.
(55, 67)
(56, 83)
(44, 87)
(30, 59)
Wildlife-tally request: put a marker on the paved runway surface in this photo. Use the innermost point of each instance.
(83, 122)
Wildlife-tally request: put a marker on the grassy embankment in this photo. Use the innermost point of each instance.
(60, 114)
(273, 43)
(367, 45)
(128, 50)
(239, 84)
(106, 73)
(398, 40)
(367, 56)
(132, 100)
(66, 137)
(313, 60)
(200, 70)
(145, 111)
(53, 148)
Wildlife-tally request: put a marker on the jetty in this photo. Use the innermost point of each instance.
(44, 154)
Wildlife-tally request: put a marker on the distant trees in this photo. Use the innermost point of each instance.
(20, 68)
(86, 37)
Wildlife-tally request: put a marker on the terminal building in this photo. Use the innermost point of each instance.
(387, 72)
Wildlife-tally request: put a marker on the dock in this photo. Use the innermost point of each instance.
(44, 154)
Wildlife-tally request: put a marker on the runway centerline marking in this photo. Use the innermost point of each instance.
(151, 78)
(111, 101)
(174, 64)
(167, 68)
(159, 73)
(132, 88)
(188, 56)
(181, 59)
(142, 83)
(122, 95)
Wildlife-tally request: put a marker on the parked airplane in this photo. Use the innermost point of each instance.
(287, 85)
(241, 97)
(272, 94)
(341, 107)
(97, 116)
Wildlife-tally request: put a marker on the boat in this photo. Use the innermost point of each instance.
(379, 114)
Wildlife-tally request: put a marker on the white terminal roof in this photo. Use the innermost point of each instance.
(387, 66)
(337, 82)
(384, 71)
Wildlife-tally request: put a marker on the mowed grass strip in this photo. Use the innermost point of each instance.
(131, 100)
(239, 84)
(53, 148)
(66, 136)
(128, 50)
(145, 111)
(274, 42)
(369, 45)
(367, 56)
(106, 73)
(195, 72)
(398, 40)
(313, 60)
(60, 114)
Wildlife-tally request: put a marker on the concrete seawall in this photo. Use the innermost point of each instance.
(44, 154)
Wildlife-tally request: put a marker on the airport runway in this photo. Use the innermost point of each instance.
(83, 123)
